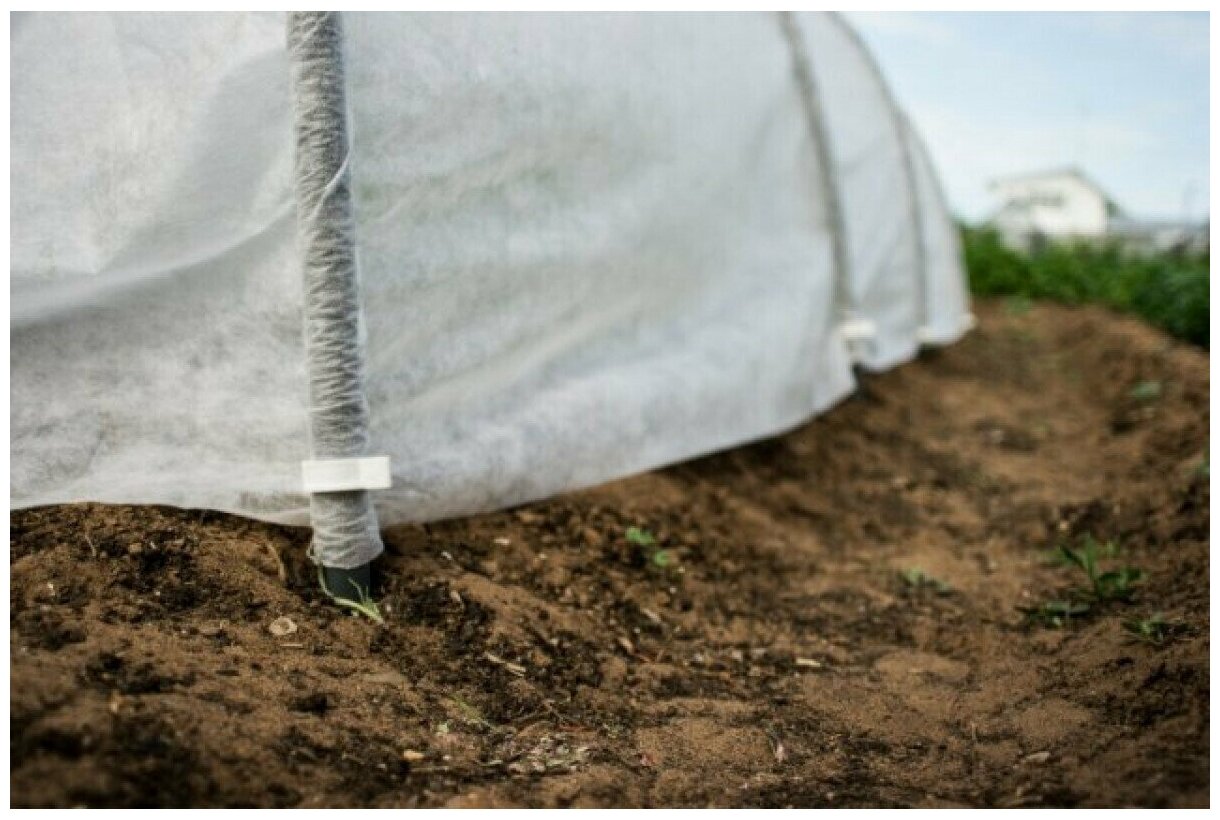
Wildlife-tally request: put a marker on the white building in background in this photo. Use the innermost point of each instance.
(1065, 204)
(1058, 204)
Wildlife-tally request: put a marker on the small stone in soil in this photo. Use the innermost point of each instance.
(282, 626)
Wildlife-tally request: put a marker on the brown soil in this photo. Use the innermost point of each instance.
(772, 655)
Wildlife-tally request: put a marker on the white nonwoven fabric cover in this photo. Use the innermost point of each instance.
(156, 343)
(589, 245)
(947, 307)
(882, 233)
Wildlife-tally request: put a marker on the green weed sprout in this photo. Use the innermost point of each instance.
(1153, 630)
(1103, 587)
(1146, 391)
(1018, 305)
(639, 537)
(916, 578)
(1056, 613)
(363, 605)
(1115, 585)
(645, 540)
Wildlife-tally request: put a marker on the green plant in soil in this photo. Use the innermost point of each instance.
(1145, 391)
(1055, 613)
(646, 541)
(1154, 629)
(915, 578)
(362, 605)
(1102, 588)
(1168, 289)
(469, 714)
(1018, 305)
(1105, 550)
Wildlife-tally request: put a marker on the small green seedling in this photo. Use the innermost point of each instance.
(469, 713)
(1114, 585)
(1055, 613)
(1103, 587)
(1018, 305)
(363, 605)
(1148, 390)
(640, 537)
(1150, 630)
(645, 541)
(916, 578)
(1154, 630)
(1202, 469)
(1057, 557)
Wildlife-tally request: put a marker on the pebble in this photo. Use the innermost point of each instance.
(389, 677)
(282, 626)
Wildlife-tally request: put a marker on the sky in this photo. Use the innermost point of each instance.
(1122, 96)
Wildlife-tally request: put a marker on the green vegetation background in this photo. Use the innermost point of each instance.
(1170, 290)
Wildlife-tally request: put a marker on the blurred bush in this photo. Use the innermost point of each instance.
(1170, 290)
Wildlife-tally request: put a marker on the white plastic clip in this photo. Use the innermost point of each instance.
(858, 330)
(336, 475)
(860, 337)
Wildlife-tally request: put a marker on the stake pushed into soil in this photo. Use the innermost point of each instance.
(345, 532)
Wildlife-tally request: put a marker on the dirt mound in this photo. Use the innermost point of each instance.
(859, 613)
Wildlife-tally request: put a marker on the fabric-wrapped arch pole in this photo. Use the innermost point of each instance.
(908, 169)
(345, 532)
(811, 99)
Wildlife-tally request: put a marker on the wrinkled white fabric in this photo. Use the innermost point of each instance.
(947, 314)
(870, 168)
(589, 245)
(156, 349)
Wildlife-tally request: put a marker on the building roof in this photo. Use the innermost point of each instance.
(1071, 170)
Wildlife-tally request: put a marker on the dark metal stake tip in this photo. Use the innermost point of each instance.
(354, 584)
